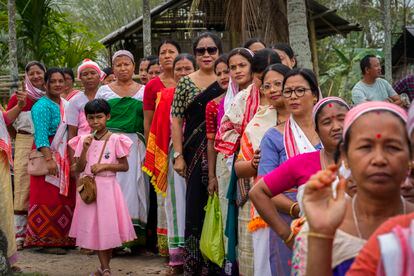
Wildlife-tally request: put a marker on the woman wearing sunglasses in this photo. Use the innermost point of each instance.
(192, 94)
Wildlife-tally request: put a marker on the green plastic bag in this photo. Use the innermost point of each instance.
(211, 242)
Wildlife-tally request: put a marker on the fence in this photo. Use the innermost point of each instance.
(5, 84)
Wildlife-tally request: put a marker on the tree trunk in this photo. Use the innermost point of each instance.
(298, 32)
(146, 27)
(14, 73)
(387, 41)
(363, 6)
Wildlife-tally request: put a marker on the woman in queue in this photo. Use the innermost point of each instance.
(125, 99)
(7, 229)
(295, 136)
(90, 75)
(254, 44)
(159, 166)
(239, 113)
(328, 117)
(34, 85)
(192, 94)
(52, 197)
(378, 159)
(270, 111)
(286, 54)
(167, 52)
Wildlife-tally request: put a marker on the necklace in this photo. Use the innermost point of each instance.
(101, 136)
(354, 211)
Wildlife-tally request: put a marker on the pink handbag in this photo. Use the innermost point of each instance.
(37, 165)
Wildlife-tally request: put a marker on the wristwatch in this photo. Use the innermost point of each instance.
(176, 155)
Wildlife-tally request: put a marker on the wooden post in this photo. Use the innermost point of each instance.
(146, 27)
(298, 32)
(314, 48)
(14, 71)
(234, 38)
(387, 41)
(110, 54)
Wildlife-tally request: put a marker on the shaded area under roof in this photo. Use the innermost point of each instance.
(404, 47)
(327, 22)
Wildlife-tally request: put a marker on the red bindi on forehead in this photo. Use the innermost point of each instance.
(378, 136)
(330, 105)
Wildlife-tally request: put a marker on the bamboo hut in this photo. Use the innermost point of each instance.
(182, 19)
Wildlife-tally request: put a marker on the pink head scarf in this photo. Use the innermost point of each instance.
(366, 107)
(324, 101)
(87, 63)
(33, 92)
(410, 121)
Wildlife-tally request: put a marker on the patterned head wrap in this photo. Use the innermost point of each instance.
(322, 102)
(123, 53)
(87, 63)
(366, 107)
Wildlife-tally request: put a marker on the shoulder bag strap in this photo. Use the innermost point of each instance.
(102, 152)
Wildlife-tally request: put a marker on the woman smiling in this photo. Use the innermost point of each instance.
(52, 198)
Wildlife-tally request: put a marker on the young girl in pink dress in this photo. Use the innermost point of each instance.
(105, 223)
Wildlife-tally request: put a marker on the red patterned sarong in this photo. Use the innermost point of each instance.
(50, 214)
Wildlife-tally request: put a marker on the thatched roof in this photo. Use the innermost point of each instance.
(174, 16)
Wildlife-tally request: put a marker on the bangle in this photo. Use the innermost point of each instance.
(321, 236)
(291, 209)
(289, 239)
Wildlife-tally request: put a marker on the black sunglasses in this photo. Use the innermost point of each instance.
(202, 51)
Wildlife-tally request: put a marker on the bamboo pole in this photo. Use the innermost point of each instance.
(314, 48)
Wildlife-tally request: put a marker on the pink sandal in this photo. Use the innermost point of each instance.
(108, 271)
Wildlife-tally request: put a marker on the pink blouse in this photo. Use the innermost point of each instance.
(294, 172)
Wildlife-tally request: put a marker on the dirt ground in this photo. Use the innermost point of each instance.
(74, 263)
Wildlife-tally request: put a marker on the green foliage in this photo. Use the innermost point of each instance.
(339, 56)
(44, 33)
(340, 68)
(76, 44)
(35, 21)
(105, 16)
